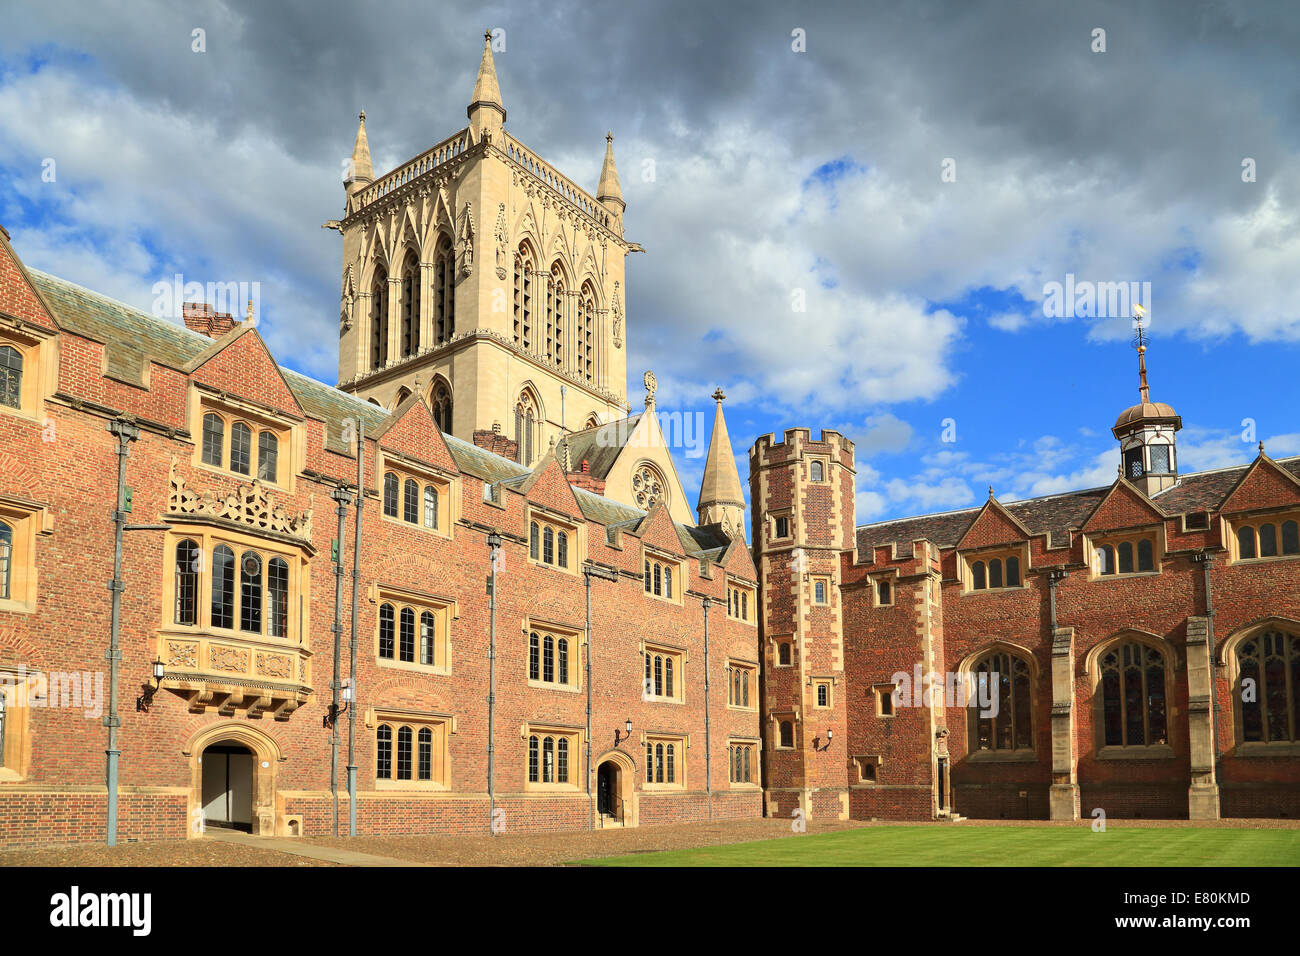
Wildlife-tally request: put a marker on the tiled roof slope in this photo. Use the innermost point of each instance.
(1053, 514)
(599, 447)
(132, 334)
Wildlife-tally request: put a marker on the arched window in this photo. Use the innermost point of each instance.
(268, 456)
(884, 593)
(440, 402)
(525, 268)
(410, 305)
(1013, 572)
(379, 319)
(1246, 542)
(411, 501)
(1268, 687)
(977, 575)
(548, 760)
(391, 486)
(404, 753)
(823, 692)
(554, 313)
(659, 763)
(670, 763)
(241, 448)
(783, 653)
(668, 581)
(534, 535)
(187, 576)
(214, 440)
(548, 546)
(787, 733)
(658, 582)
(562, 549)
(250, 592)
(526, 417)
(995, 573)
(1125, 551)
(647, 577)
(1001, 703)
(534, 657)
(11, 376)
(277, 589)
(659, 676)
(384, 752)
(430, 506)
(406, 636)
(548, 659)
(1133, 702)
(1268, 541)
(587, 331)
(1105, 559)
(562, 660)
(1290, 537)
(816, 471)
(428, 635)
(1146, 555)
(533, 776)
(668, 677)
(562, 760)
(223, 587)
(387, 627)
(444, 292)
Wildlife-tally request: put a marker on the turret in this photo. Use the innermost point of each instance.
(721, 499)
(1146, 433)
(485, 111)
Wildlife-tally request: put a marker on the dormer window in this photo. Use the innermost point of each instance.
(1274, 538)
(994, 571)
(241, 445)
(1131, 556)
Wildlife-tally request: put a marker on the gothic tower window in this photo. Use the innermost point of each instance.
(525, 268)
(410, 306)
(1133, 698)
(379, 319)
(587, 332)
(526, 418)
(440, 402)
(444, 292)
(555, 316)
(1268, 687)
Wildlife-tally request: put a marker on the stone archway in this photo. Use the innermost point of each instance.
(620, 770)
(266, 764)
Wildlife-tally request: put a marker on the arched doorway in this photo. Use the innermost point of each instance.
(233, 770)
(616, 803)
(227, 786)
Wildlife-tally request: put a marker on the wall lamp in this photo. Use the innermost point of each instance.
(334, 711)
(627, 732)
(145, 700)
(830, 735)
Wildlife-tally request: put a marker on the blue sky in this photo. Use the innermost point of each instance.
(756, 177)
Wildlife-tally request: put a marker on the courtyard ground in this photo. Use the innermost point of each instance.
(735, 843)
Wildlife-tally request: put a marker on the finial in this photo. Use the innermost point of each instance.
(362, 116)
(1261, 446)
(609, 136)
(719, 395)
(487, 35)
(990, 492)
(1140, 343)
(248, 314)
(1119, 470)
(651, 386)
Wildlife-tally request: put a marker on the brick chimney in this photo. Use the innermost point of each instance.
(496, 442)
(200, 317)
(585, 479)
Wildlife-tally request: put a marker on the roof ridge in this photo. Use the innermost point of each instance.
(178, 326)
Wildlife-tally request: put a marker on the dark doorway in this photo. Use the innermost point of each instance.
(228, 787)
(607, 799)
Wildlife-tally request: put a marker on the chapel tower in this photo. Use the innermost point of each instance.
(481, 278)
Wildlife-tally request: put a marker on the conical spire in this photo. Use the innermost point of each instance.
(609, 188)
(487, 92)
(361, 170)
(721, 499)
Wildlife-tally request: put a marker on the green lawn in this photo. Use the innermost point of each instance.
(994, 846)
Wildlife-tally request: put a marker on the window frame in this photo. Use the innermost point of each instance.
(556, 633)
(977, 567)
(1108, 549)
(1279, 521)
(442, 727)
(749, 692)
(662, 576)
(423, 477)
(231, 412)
(557, 537)
(27, 520)
(444, 610)
(750, 753)
(674, 661)
(573, 736)
(670, 774)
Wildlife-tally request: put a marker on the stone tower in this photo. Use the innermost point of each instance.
(480, 277)
(802, 498)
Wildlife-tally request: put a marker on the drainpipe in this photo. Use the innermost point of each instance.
(1206, 559)
(605, 574)
(125, 433)
(340, 495)
(708, 750)
(352, 643)
(494, 543)
(1054, 577)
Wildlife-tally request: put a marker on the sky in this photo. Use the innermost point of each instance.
(854, 214)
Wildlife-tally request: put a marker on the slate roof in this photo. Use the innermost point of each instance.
(1053, 515)
(130, 335)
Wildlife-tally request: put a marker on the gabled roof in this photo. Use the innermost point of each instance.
(1055, 515)
(600, 446)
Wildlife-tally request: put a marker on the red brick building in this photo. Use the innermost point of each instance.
(1133, 649)
(598, 691)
